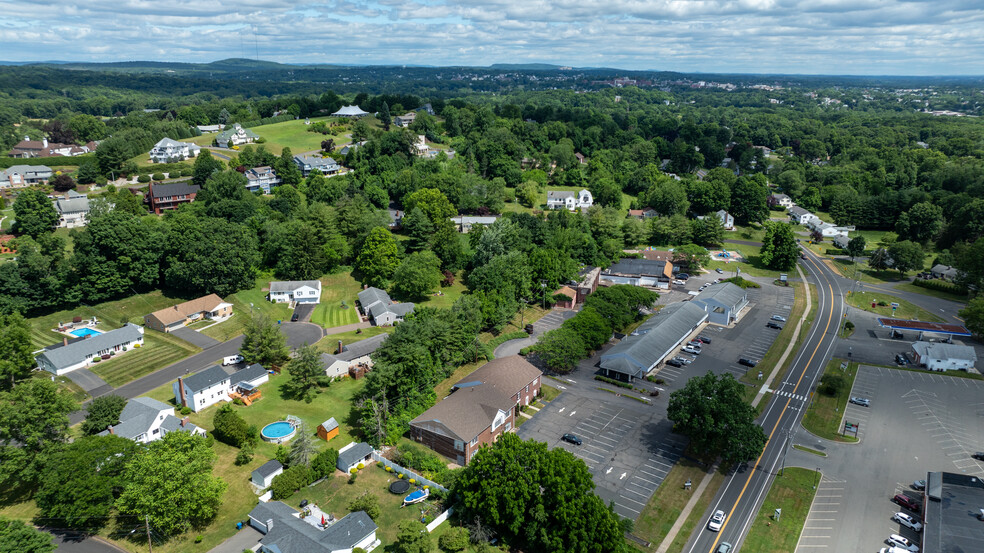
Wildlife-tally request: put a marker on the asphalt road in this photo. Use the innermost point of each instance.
(742, 493)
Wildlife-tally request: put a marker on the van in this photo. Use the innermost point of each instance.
(232, 360)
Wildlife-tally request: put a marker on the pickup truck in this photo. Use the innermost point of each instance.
(232, 360)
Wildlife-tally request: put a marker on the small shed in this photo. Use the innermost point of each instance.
(328, 429)
(263, 476)
(351, 455)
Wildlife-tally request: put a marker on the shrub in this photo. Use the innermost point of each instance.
(454, 540)
(389, 469)
(614, 382)
(143, 178)
(186, 410)
(199, 538)
(323, 463)
(294, 478)
(941, 285)
(96, 359)
(831, 384)
(158, 176)
(366, 502)
(353, 470)
(189, 172)
(232, 429)
(361, 466)
(742, 283)
(245, 456)
(849, 325)
(412, 481)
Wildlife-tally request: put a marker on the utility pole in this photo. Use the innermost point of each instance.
(150, 546)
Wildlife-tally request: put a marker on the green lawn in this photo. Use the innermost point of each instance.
(335, 289)
(329, 343)
(159, 350)
(909, 287)
(792, 492)
(696, 518)
(445, 297)
(541, 203)
(752, 265)
(823, 416)
(665, 506)
(293, 135)
(245, 302)
(906, 309)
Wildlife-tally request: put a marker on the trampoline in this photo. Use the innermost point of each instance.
(400, 487)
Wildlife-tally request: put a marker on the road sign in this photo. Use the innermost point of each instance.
(778, 514)
(894, 305)
(782, 277)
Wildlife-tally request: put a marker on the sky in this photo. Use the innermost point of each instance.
(857, 37)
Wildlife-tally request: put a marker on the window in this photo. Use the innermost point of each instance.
(474, 442)
(157, 431)
(459, 445)
(508, 426)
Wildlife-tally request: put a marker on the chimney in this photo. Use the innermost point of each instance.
(111, 431)
(64, 340)
(184, 421)
(44, 142)
(181, 390)
(340, 350)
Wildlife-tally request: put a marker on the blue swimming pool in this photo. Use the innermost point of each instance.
(83, 332)
(278, 432)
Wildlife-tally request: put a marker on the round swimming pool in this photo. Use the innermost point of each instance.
(278, 432)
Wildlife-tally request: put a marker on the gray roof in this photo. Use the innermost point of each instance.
(201, 380)
(780, 196)
(76, 351)
(330, 424)
(939, 350)
(377, 302)
(353, 454)
(798, 211)
(654, 339)
(355, 349)
(137, 416)
(950, 509)
(560, 195)
(725, 293)
(371, 295)
(474, 219)
(171, 142)
(248, 374)
(268, 468)
(173, 424)
(73, 205)
(26, 169)
(291, 285)
(225, 135)
(315, 160)
(290, 534)
(174, 189)
(637, 267)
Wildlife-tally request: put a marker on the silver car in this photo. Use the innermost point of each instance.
(862, 401)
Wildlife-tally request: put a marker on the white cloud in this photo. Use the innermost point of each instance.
(793, 36)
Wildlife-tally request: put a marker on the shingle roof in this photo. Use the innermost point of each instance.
(248, 374)
(655, 338)
(201, 380)
(559, 195)
(360, 348)
(638, 267)
(936, 350)
(330, 424)
(371, 295)
(293, 535)
(76, 351)
(225, 135)
(291, 285)
(798, 211)
(315, 160)
(173, 424)
(73, 205)
(182, 311)
(174, 189)
(137, 417)
(377, 302)
(353, 454)
(268, 468)
(724, 292)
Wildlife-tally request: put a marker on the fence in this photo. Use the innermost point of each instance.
(440, 519)
(376, 456)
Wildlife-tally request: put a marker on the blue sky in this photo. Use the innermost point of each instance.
(861, 37)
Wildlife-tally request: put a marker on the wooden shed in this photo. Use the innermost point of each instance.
(328, 429)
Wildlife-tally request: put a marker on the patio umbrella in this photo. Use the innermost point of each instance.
(322, 520)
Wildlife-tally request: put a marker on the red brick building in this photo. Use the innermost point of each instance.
(480, 408)
(163, 197)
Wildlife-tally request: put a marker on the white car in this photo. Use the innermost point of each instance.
(893, 550)
(691, 350)
(896, 540)
(232, 360)
(779, 318)
(679, 283)
(716, 522)
(908, 521)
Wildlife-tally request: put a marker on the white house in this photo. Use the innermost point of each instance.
(559, 199)
(17, 176)
(723, 302)
(841, 241)
(284, 531)
(80, 352)
(299, 291)
(377, 305)
(235, 136)
(208, 129)
(466, 222)
(405, 120)
(73, 211)
(937, 356)
(168, 150)
(800, 216)
(263, 476)
(780, 200)
(726, 219)
(313, 162)
(145, 420)
(206, 388)
(345, 357)
(827, 230)
(350, 456)
(262, 179)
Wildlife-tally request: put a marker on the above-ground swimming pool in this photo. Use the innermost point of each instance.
(83, 332)
(278, 432)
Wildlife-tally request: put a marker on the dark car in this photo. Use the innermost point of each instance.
(683, 276)
(704, 339)
(896, 334)
(901, 359)
(907, 502)
(294, 317)
(747, 362)
(725, 547)
(528, 329)
(571, 439)
(979, 456)
(675, 362)
(776, 326)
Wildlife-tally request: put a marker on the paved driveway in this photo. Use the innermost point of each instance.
(87, 379)
(550, 321)
(303, 311)
(195, 337)
(240, 541)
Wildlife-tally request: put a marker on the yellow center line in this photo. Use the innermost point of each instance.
(785, 408)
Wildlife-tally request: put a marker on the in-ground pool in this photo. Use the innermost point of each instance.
(278, 432)
(83, 332)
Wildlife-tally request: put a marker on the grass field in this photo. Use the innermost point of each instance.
(909, 287)
(696, 518)
(751, 266)
(329, 343)
(824, 414)
(906, 309)
(335, 289)
(792, 492)
(158, 351)
(244, 303)
(293, 135)
(665, 505)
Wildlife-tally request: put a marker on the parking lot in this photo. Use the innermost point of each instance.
(917, 422)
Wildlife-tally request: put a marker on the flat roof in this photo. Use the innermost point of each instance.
(953, 502)
(942, 328)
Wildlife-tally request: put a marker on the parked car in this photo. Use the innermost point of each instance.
(725, 547)
(675, 362)
(716, 522)
(776, 326)
(919, 485)
(862, 401)
(717, 280)
(719, 271)
(704, 339)
(232, 360)
(896, 540)
(908, 521)
(294, 317)
(691, 350)
(571, 439)
(907, 502)
(685, 360)
(747, 362)
(683, 276)
(893, 550)
(979, 455)
(679, 282)
(696, 343)
(901, 360)
(779, 318)
(528, 328)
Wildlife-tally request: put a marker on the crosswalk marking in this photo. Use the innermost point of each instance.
(794, 396)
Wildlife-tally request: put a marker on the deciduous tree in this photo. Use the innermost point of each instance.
(907, 256)
(417, 275)
(18, 537)
(16, 351)
(413, 538)
(855, 246)
(779, 248)
(34, 214)
(102, 412)
(378, 258)
(33, 417)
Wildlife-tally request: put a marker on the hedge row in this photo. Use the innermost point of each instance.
(6, 162)
(941, 286)
(267, 121)
(836, 251)
(613, 382)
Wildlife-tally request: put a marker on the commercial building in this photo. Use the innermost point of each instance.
(953, 511)
(640, 272)
(936, 356)
(723, 302)
(653, 341)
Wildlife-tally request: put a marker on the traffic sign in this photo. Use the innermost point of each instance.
(778, 514)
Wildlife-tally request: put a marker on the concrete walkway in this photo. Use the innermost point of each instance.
(685, 513)
(550, 321)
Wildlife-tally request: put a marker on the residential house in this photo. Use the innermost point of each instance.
(640, 272)
(936, 356)
(313, 162)
(168, 151)
(261, 179)
(800, 216)
(377, 305)
(405, 120)
(581, 160)
(73, 211)
(780, 200)
(145, 420)
(28, 148)
(18, 176)
(841, 241)
(590, 277)
(655, 340)
(420, 146)
(466, 222)
(80, 352)
(560, 199)
(206, 307)
(235, 136)
(426, 108)
(352, 147)
(296, 291)
(569, 293)
(209, 129)
(164, 197)
(350, 112)
(481, 407)
(284, 531)
(945, 272)
(350, 456)
(346, 357)
(645, 213)
(723, 302)
(264, 474)
(328, 429)
(726, 219)
(827, 230)
(206, 388)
